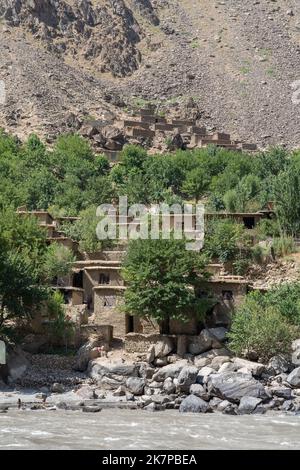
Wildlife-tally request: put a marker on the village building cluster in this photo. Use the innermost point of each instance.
(152, 130)
(94, 290)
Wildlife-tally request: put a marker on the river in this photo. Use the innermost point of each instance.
(115, 429)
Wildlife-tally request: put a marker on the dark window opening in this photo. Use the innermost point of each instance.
(104, 279)
(78, 280)
(249, 222)
(130, 324)
(227, 295)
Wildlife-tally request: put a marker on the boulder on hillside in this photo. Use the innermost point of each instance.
(17, 364)
(219, 333)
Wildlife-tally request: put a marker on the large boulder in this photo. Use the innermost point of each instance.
(163, 347)
(111, 375)
(294, 378)
(203, 342)
(84, 354)
(187, 377)
(193, 404)
(203, 375)
(199, 391)
(171, 370)
(281, 392)
(135, 385)
(233, 386)
(219, 333)
(278, 364)
(205, 359)
(248, 405)
(169, 387)
(17, 364)
(255, 368)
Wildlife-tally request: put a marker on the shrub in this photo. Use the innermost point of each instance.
(264, 331)
(283, 246)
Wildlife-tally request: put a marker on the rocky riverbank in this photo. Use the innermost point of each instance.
(213, 381)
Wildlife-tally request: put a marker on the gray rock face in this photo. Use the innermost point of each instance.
(248, 405)
(193, 404)
(294, 378)
(219, 333)
(169, 386)
(187, 377)
(171, 370)
(281, 392)
(112, 375)
(83, 354)
(135, 385)
(202, 343)
(255, 368)
(233, 386)
(199, 391)
(17, 364)
(279, 364)
(163, 348)
(206, 358)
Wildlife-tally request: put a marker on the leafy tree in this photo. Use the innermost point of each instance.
(196, 183)
(161, 277)
(287, 196)
(57, 262)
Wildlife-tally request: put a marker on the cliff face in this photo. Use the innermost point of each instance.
(105, 34)
(88, 57)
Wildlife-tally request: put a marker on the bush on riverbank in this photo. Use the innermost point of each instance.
(266, 324)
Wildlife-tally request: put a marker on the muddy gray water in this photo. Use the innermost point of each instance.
(126, 429)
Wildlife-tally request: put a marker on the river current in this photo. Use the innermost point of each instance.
(115, 429)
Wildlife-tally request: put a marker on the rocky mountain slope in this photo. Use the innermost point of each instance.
(65, 62)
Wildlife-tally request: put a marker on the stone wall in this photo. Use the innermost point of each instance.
(110, 315)
(140, 343)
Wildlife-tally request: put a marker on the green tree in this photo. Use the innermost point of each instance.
(57, 262)
(196, 183)
(161, 277)
(286, 189)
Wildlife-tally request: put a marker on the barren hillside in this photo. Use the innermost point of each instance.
(63, 62)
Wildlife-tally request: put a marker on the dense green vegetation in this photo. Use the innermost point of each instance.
(27, 268)
(266, 324)
(70, 179)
